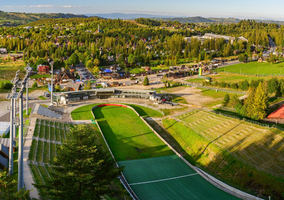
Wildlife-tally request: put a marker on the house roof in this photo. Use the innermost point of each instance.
(73, 85)
(277, 114)
(4, 127)
(6, 142)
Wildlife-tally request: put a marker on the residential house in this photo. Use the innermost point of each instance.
(3, 50)
(42, 69)
(65, 75)
(70, 86)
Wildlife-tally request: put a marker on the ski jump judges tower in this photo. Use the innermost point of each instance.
(14, 121)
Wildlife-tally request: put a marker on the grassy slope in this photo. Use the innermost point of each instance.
(221, 163)
(127, 135)
(17, 18)
(254, 68)
(84, 112)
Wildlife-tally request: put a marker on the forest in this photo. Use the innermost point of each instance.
(130, 45)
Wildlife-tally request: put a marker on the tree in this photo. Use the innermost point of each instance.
(249, 102)
(89, 64)
(131, 59)
(88, 85)
(74, 59)
(96, 70)
(96, 62)
(34, 85)
(260, 103)
(242, 57)
(8, 188)
(82, 169)
(146, 81)
(8, 86)
(57, 88)
(226, 100)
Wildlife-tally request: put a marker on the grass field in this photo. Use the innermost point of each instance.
(9, 69)
(241, 153)
(227, 77)
(127, 135)
(85, 113)
(254, 68)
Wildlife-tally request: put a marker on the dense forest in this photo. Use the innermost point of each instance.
(129, 44)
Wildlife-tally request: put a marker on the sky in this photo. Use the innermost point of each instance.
(244, 9)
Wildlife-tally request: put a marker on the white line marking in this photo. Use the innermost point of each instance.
(163, 179)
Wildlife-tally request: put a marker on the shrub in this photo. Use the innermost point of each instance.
(34, 85)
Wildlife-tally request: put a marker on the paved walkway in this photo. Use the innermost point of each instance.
(28, 178)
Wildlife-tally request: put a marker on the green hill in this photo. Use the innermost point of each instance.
(16, 18)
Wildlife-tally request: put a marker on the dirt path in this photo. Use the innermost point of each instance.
(192, 95)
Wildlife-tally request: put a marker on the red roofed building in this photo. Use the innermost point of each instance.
(277, 114)
(43, 69)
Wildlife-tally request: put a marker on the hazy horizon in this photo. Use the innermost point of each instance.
(180, 8)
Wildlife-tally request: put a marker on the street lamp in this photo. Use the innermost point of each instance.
(51, 62)
(27, 90)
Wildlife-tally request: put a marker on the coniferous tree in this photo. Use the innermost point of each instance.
(226, 100)
(260, 103)
(146, 81)
(82, 170)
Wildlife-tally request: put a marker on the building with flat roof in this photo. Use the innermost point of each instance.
(63, 98)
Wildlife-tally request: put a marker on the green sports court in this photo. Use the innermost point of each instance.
(152, 170)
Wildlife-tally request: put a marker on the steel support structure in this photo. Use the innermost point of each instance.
(20, 150)
(51, 103)
(27, 97)
(11, 159)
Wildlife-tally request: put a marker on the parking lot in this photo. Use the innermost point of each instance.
(84, 74)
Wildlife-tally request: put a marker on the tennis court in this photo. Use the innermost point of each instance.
(168, 177)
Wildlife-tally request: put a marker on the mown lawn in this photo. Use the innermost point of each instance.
(221, 162)
(216, 94)
(127, 135)
(254, 68)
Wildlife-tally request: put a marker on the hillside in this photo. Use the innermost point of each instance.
(16, 18)
(213, 20)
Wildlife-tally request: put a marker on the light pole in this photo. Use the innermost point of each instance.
(27, 90)
(20, 148)
(11, 159)
(12, 122)
(51, 62)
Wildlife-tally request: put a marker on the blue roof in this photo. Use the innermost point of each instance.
(107, 71)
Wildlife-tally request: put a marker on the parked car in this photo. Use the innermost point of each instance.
(46, 94)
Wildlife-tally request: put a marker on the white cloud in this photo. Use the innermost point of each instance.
(41, 6)
(8, 6)
(52, 6)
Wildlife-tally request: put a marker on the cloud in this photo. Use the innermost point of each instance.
(52, 6)
(41, 6)
(8, 6)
